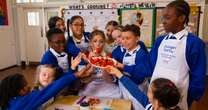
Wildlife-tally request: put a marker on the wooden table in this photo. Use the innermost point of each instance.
(116, 104)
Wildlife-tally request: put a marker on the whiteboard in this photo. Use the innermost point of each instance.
(93, 17)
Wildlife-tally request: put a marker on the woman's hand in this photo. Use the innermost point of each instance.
(114, 71)
(75, 61)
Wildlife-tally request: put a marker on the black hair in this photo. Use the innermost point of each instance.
(182, 8)
(132, 28)
(97, 32)
(73, 18)
(166, 93)
(10, 87)
(112, 22)
(53, 31)
(52, 21)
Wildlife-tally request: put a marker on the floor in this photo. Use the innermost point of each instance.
(29, 73)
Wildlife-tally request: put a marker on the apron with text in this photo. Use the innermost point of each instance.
(172, 64)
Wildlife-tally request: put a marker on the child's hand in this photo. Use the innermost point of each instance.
(114, 71)
(107, 77)
(83, 72)
(84, 56)
(92, 54)
(119, 65)
(90, 69)
(75, 62)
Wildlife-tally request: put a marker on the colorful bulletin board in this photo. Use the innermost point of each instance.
(193, 25)
(3, 13)
(143, 17)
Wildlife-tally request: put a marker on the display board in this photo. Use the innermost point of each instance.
(93, 18)
(144, 18)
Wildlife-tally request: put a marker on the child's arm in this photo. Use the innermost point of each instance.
(134, 91)
(39, 97)
(129, 85)
(140, 70)
(196, 58)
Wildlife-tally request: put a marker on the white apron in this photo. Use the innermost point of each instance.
(171, 64)
(101, 88)
(62, 59)
(63, 62)
(130, 60)
(82, 45)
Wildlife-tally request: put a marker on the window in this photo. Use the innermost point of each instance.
(33, 18)
(28, 1)
(36, 0)
(23, 1)
(56, 0)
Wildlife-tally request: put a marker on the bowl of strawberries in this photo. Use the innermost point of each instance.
(102, 62)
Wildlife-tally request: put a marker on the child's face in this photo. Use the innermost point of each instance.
(58, 42)
(129, 40)
(46, 76)
(170, 20)
(116, 35)
(151, 99)
(97, 42)
(60, 25)
(77, 27)
(109, 30)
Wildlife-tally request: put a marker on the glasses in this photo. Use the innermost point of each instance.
(81, 25)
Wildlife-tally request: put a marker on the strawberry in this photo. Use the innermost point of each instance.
(109, 55)
(93, 60)
(98, 50)
(110, 62)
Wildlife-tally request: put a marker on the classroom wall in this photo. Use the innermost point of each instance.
(14, 48)
(7, 41)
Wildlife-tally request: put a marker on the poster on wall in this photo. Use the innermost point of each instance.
(193, 25)
(144, 18)
(93, 18)
(3, 13)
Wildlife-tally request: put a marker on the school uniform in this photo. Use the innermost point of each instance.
(35, 99)
(119, 50)
(139, 96)
(48, 102)
(131, 59)
(181, 58)
(74, 46)
(58, 60)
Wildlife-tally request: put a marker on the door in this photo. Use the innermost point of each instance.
(48, 13)
(34, 33)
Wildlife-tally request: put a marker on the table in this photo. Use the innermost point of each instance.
(69, 103)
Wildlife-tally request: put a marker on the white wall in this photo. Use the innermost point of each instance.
(7, 42)
(19, 16)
